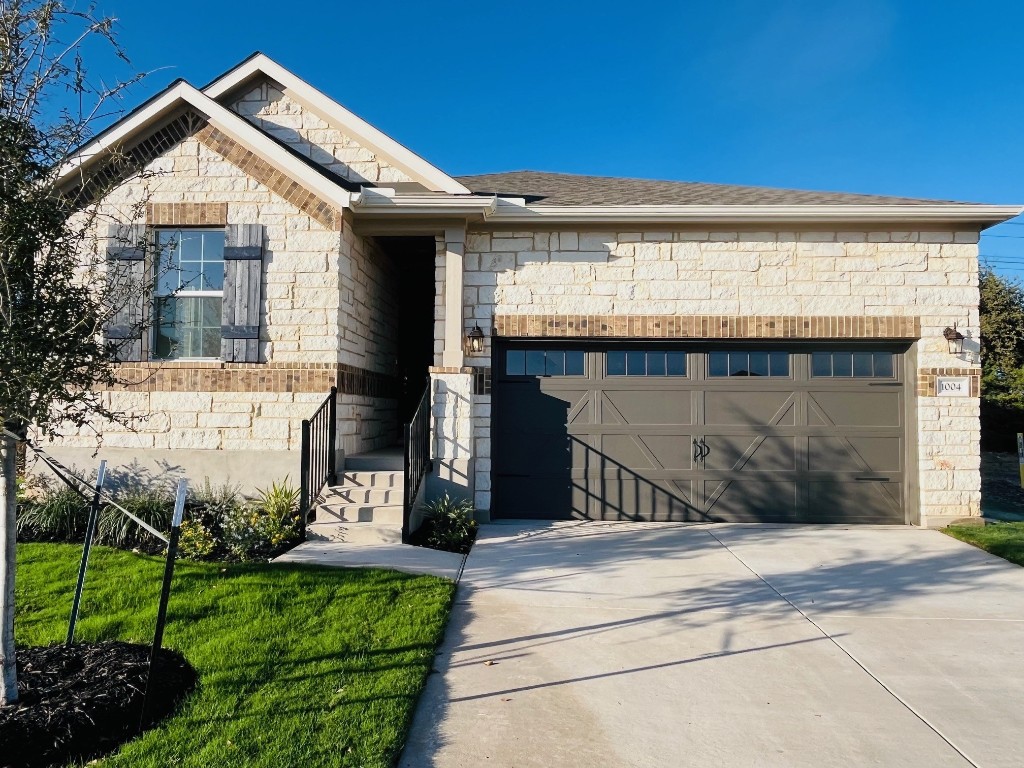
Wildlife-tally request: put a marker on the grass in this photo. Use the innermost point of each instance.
(297, 665)
(1003, 539)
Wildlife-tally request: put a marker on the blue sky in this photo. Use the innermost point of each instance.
(915, 98)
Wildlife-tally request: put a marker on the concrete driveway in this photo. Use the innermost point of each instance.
(600, 644)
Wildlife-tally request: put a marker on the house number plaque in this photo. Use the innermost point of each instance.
(953, 386)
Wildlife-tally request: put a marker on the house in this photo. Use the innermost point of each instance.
(588, 347)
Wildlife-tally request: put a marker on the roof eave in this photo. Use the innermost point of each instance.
(974, 214)
(181, 95)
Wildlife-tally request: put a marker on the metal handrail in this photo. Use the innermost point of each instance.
(417, 456)
(319, 456)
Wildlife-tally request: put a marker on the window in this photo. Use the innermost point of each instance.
(641, 363)
(544, 362)
(742, 363)
(855, 365)
(189, 293)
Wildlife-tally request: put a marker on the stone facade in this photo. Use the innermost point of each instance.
(285, 119)
(329, 312)
(328, 318)
(928, 279)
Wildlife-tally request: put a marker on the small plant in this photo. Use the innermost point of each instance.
(211, 503)
(253, 533)
(152, 505)
(448, 525)
(58, 515)
(280, 500)
(196, 541)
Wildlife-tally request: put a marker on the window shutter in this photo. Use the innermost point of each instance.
(243, 273)
(126, 257)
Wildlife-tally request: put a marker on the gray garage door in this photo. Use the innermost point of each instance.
(660, 432)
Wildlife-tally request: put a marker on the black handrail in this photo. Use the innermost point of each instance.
(417, 456)
(319, 456)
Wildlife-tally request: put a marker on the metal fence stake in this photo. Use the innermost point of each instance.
(90, 532)
(165, 592)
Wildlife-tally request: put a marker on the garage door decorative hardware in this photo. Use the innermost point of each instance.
(700, 451)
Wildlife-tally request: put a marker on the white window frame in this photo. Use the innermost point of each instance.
(180, 294)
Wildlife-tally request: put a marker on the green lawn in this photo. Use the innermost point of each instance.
(1003, 539)
(298, 666)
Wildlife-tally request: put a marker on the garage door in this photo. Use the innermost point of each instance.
(660, 432)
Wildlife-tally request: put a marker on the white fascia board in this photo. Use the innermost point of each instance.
(512, 212)
(400, 156)
(382, 203)
(226, 121)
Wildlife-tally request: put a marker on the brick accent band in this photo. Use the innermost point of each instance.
(271, 177)
(706, 327)
(186, 214)
(211, 376)
(926, 379)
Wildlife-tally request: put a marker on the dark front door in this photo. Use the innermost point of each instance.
(660, 432)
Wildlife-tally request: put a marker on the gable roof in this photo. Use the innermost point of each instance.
(564, 189)
(260, 65)
(179, 96)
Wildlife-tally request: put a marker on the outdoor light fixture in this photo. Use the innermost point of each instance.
(475, 341)
(954, 339)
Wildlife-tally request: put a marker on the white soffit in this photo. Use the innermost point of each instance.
(397, 155)
(239, 129)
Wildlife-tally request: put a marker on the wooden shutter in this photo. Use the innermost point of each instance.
(126, 258)
(243, 274)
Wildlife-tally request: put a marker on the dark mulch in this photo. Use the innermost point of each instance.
(81, 702)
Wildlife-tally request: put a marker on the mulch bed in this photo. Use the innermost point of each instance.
(81, 702)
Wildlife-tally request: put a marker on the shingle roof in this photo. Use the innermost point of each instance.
(541, 188)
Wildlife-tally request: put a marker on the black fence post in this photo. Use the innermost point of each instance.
(332, 432)
(407, 484)
(304, 480)
(90, 532)
(165, 591)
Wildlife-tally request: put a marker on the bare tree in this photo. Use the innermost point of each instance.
(56, 293)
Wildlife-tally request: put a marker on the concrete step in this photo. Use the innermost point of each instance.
(388, 514)
(388, 459)
(385, 479)
(366, 495)
(355, 533)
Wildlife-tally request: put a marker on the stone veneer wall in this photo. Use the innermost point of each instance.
(285, 119)
(932, 275)
(328, 303)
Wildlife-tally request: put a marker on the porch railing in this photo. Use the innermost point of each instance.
(319, 456)
(417, 456)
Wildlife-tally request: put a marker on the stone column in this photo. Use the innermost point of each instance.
(452, 432)
(455, 250)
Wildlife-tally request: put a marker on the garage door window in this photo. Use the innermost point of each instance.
(641, 363)
(544, 362)
(740, 363)
(852, 365)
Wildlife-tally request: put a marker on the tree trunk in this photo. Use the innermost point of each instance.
(8, 501)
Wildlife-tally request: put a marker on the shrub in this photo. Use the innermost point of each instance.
(251, 532)
(447, 525)
(211, 503)
(152, 505)
(56, 515)
(196, 541)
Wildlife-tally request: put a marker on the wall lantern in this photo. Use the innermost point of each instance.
(475, 341)
(954, 339)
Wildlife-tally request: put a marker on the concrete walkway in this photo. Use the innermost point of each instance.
(592, 644)
(398, 557)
